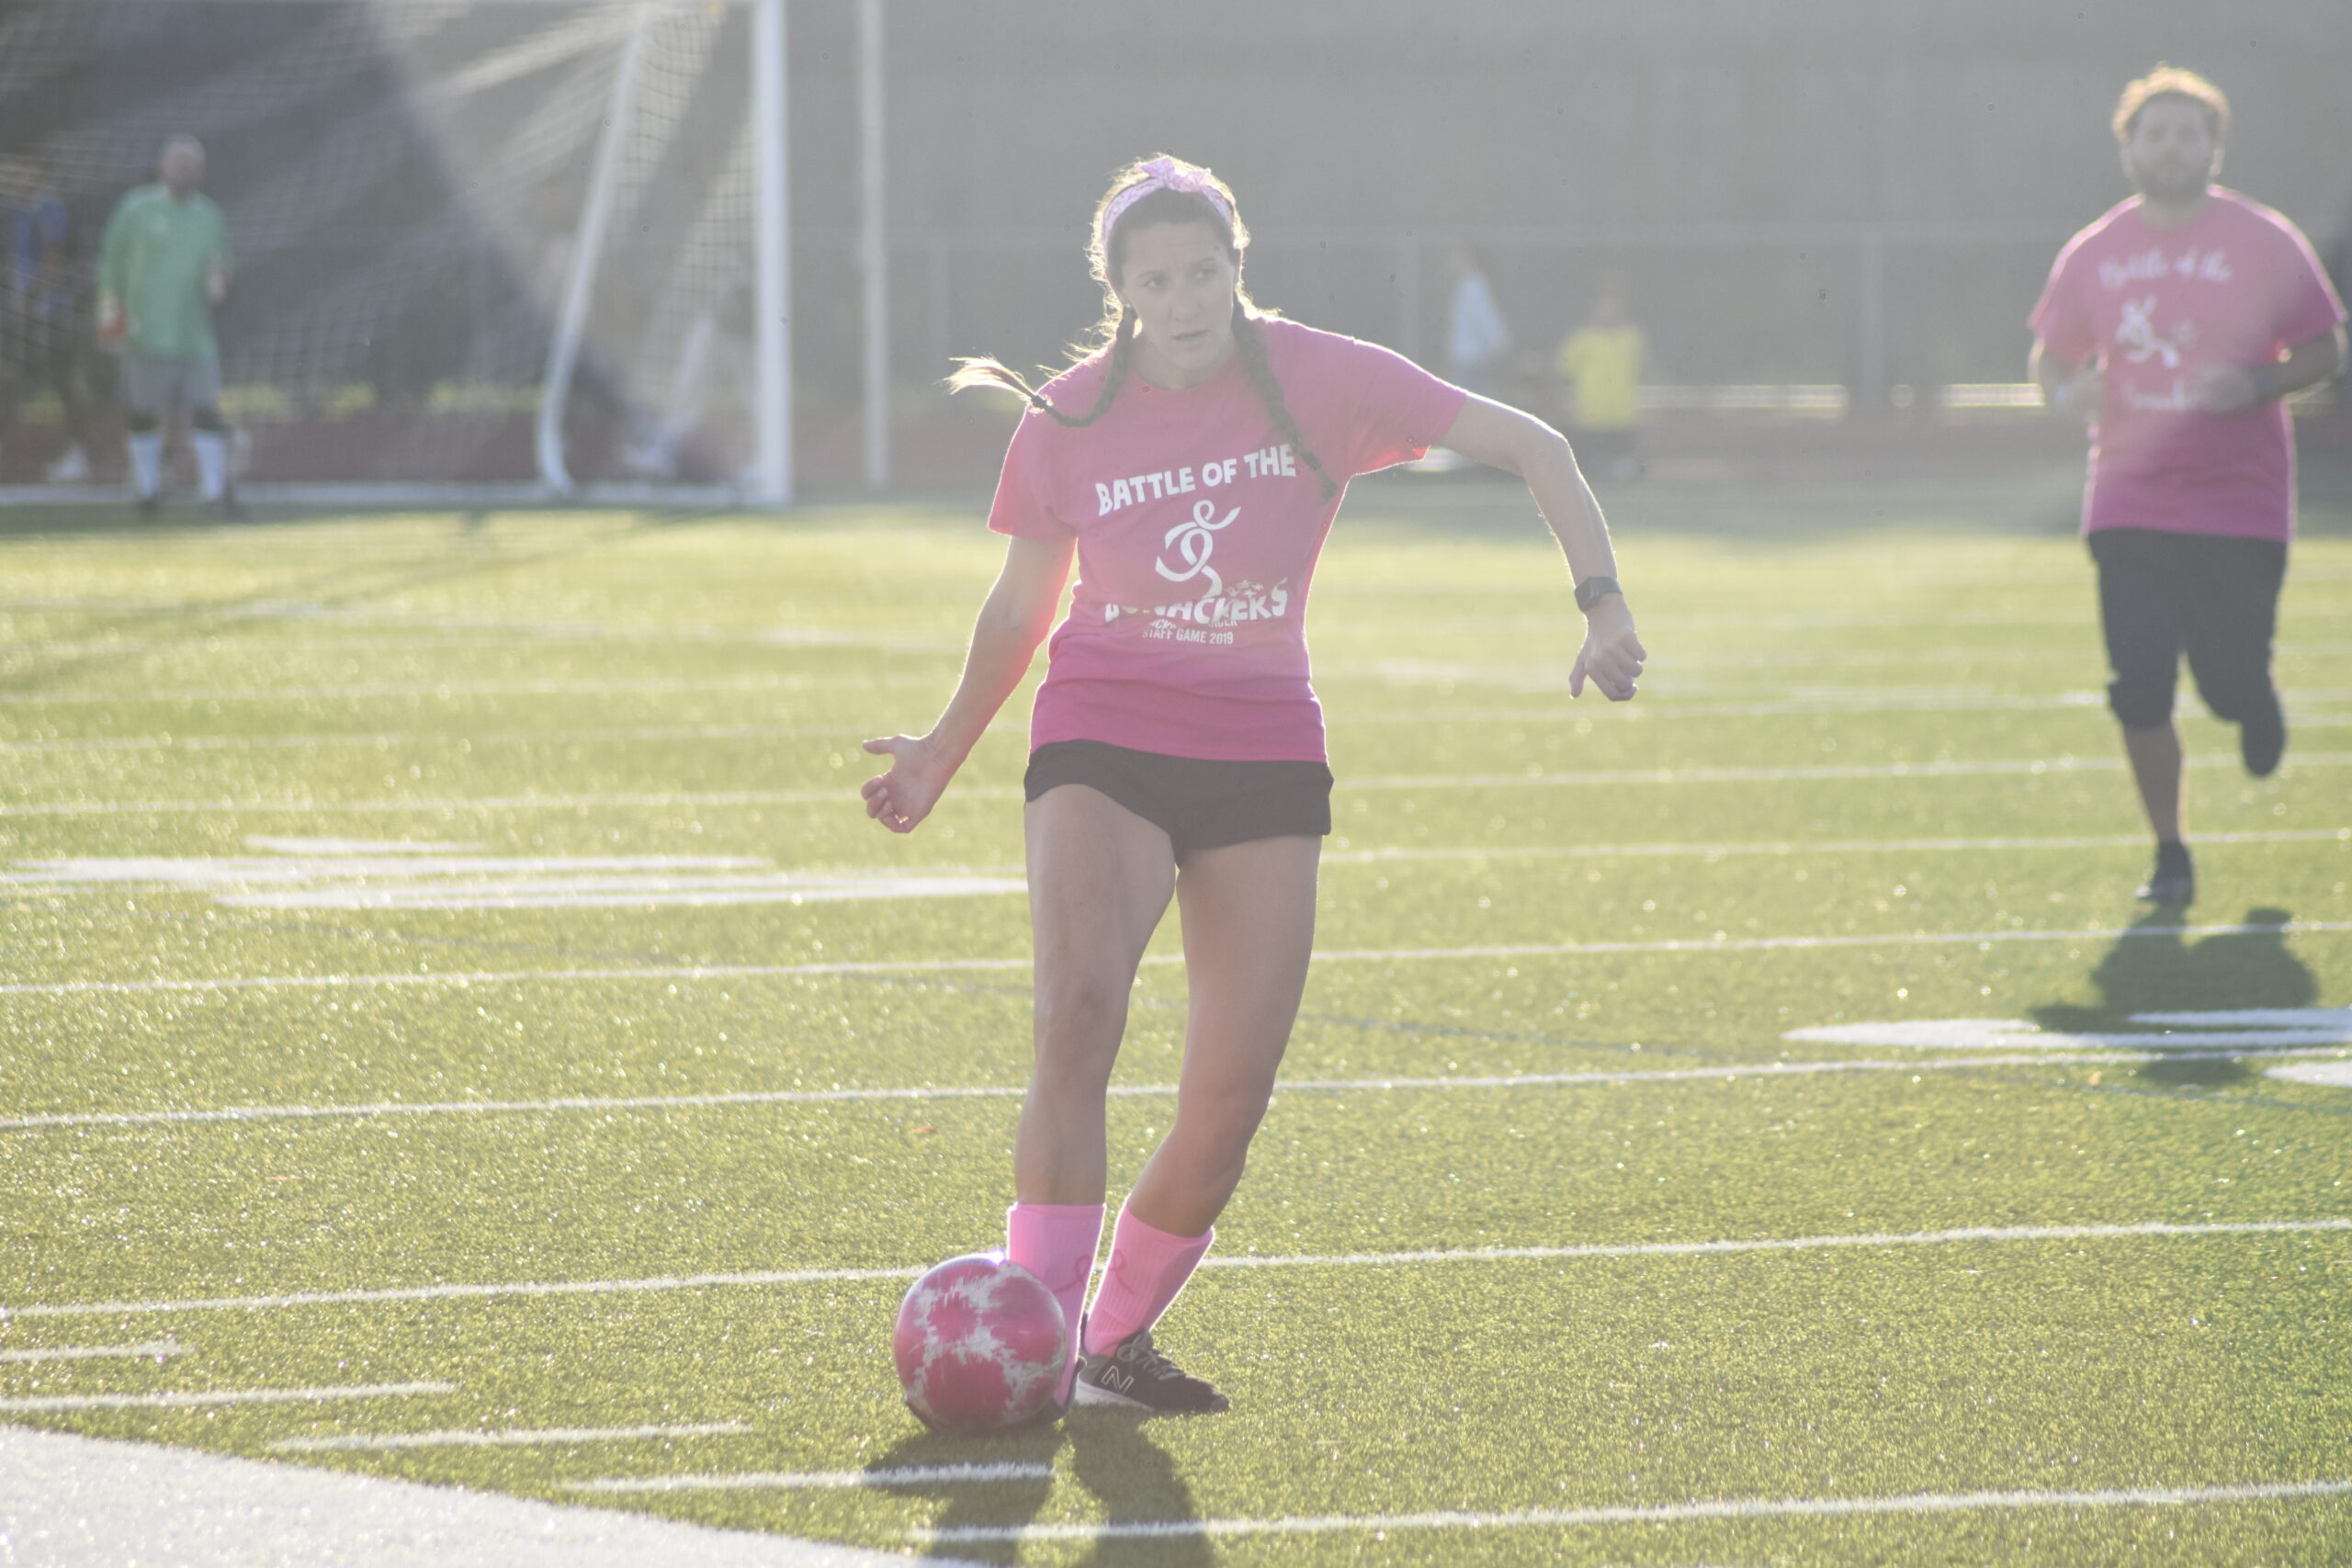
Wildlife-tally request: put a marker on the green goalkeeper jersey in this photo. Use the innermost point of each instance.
(157, 260)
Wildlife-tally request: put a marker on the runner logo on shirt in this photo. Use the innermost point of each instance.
(2137, 333)
(1195, 541)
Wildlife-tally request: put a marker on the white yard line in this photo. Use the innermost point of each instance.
(208, 1398)
(2248, 1046)
(382, 739)
(154, 1351)
(646, 685)
(2327, 1075)
(509, 1437)
(771, 1481)
(2023, 766)
(1657, 1514)
(965, 966)
(1969, 1235)
(844, 796)
(1821, 846)
(846, 793)
(68, 1499)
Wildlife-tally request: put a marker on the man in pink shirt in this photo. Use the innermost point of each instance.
(2174, 326)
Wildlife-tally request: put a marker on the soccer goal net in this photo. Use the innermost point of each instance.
(479, 246)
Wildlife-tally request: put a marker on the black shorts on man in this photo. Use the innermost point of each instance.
(2210, 596)
(1199, 802)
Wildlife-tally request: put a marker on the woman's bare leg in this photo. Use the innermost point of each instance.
(1248, 914)
(1100, 878)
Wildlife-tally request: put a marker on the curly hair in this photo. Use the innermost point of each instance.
(2172, 81)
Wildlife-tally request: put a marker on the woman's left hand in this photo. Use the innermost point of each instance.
(1612, 656)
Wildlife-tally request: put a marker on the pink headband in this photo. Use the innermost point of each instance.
(1162, 174)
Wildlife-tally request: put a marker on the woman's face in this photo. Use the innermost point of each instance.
(1180, 282)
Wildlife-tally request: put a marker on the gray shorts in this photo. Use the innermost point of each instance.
(155, 384)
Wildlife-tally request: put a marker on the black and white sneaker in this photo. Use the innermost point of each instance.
(1131, 1375)
(2174, 879)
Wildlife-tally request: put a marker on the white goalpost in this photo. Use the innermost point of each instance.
(486, 250)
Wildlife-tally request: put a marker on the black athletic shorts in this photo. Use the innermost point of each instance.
(1199, 802)
(2208, 595)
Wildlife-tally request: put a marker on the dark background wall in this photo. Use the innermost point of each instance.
(1857, 191)
(1341, 123)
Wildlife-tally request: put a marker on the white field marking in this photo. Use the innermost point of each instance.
(382, 739)
(462, 629)
(1665, 707)
(2327, 1075)
(72, 1499)
(1633, 1514)
(207, 1398)
(1670, 685)
(154, 1351)
(846, 793)
(965, 966)
(1726, 1074)
(2298, 720)
(511, 1438)
(1536, 778)
(1823, 846)
(654, 685)
(366, 847)
(770, 1481)
(2309, 1028)
(232, 880)
(1976, 1234)
(344, 873)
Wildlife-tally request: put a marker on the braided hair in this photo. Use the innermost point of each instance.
(1114, 335)
(1251, 347)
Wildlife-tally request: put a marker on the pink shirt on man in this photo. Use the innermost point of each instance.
(1198, 528)
(2234, 287)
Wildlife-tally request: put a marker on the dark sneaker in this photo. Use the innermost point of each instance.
(147, 505)
(227, 508)
(2262, 739)
(2174, 880)
(1134, 1376)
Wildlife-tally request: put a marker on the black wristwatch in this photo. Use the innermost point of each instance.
(1593, 589)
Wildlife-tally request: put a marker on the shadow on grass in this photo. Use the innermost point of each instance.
(1132, 1479)
(2153, 969)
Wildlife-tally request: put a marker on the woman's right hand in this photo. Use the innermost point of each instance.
(902, 797)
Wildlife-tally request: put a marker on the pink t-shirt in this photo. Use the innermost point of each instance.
(1197, 529)
(2234, 287)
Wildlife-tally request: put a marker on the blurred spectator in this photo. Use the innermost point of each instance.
(1476, 338)
(1601, 362)
(162, 266)
(40, 347)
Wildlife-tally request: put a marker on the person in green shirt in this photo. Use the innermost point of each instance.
(1601, 362)
(162, 266)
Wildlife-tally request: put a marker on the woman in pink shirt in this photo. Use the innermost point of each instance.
(1191, 465)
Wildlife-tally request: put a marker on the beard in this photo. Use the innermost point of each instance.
(2172, 182)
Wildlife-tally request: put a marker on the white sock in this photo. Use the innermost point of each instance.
(147, 462)
(212, 461)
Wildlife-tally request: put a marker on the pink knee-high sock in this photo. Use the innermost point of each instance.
(1057, 1242)
(1148, 1266)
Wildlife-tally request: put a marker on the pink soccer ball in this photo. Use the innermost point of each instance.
(981, 1345)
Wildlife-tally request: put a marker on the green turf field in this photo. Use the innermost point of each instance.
(592, 1066)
